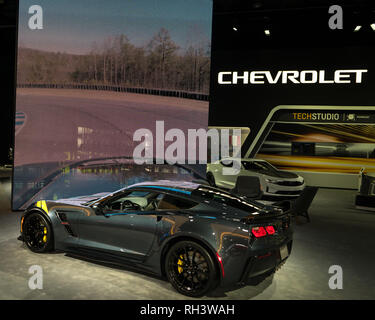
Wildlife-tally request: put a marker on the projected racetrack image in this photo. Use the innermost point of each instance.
(83, 97)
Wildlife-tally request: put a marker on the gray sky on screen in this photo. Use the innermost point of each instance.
(73, 25)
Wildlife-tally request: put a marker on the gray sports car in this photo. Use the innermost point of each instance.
(197, 236)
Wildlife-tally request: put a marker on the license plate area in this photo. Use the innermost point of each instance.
(284, 253)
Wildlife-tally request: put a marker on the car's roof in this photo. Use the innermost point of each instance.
(185, 188)
(162, 184)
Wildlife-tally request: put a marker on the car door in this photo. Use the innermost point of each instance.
(123, 233)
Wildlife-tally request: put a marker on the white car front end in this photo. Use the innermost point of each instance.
(283, 187)
(274, 182)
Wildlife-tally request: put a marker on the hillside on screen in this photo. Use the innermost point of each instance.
(91, 73)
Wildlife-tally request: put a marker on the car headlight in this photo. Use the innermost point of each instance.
(272, 180)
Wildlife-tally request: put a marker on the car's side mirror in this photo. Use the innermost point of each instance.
(98, 209)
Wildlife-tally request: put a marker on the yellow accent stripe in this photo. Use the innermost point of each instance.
(42, 205)
(22, 223)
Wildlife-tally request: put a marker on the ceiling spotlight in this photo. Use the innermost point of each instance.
(235, 29)
(257, 4)
(372, 26)
(357, 28)
(267, 32)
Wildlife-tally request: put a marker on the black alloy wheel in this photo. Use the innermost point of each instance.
(190, 269)
(37, 233)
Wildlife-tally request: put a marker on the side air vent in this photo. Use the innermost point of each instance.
(62, 216)
(69, 230)
(64, 221)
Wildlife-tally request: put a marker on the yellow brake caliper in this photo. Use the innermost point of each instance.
(45, 234)
(179, 262)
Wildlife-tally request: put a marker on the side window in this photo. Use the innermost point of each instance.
(169, 202)
(134, 200)
(139, 193)
(252, 166)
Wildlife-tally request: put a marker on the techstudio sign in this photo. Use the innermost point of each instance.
(291, 76)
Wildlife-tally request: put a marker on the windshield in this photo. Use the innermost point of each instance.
(259, 166)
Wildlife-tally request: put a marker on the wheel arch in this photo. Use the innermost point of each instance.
(210, 174)
(46, 216)
(205, 244)
(40, 211)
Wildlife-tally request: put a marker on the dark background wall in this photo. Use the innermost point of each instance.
(300, 39)
(8, 21)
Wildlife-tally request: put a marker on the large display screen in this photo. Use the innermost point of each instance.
(90, 74)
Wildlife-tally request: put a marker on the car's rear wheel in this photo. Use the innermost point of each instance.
(190, 269)
(37, 233)
(211, 179)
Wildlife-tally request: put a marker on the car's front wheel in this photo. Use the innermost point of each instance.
(37, 233)
(190, 269)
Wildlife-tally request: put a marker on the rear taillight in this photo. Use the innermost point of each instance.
(270, 230)
(259, 232)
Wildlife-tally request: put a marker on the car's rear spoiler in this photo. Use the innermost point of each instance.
(285, 205)
(281, 208)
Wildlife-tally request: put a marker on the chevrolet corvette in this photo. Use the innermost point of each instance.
(196, 236)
